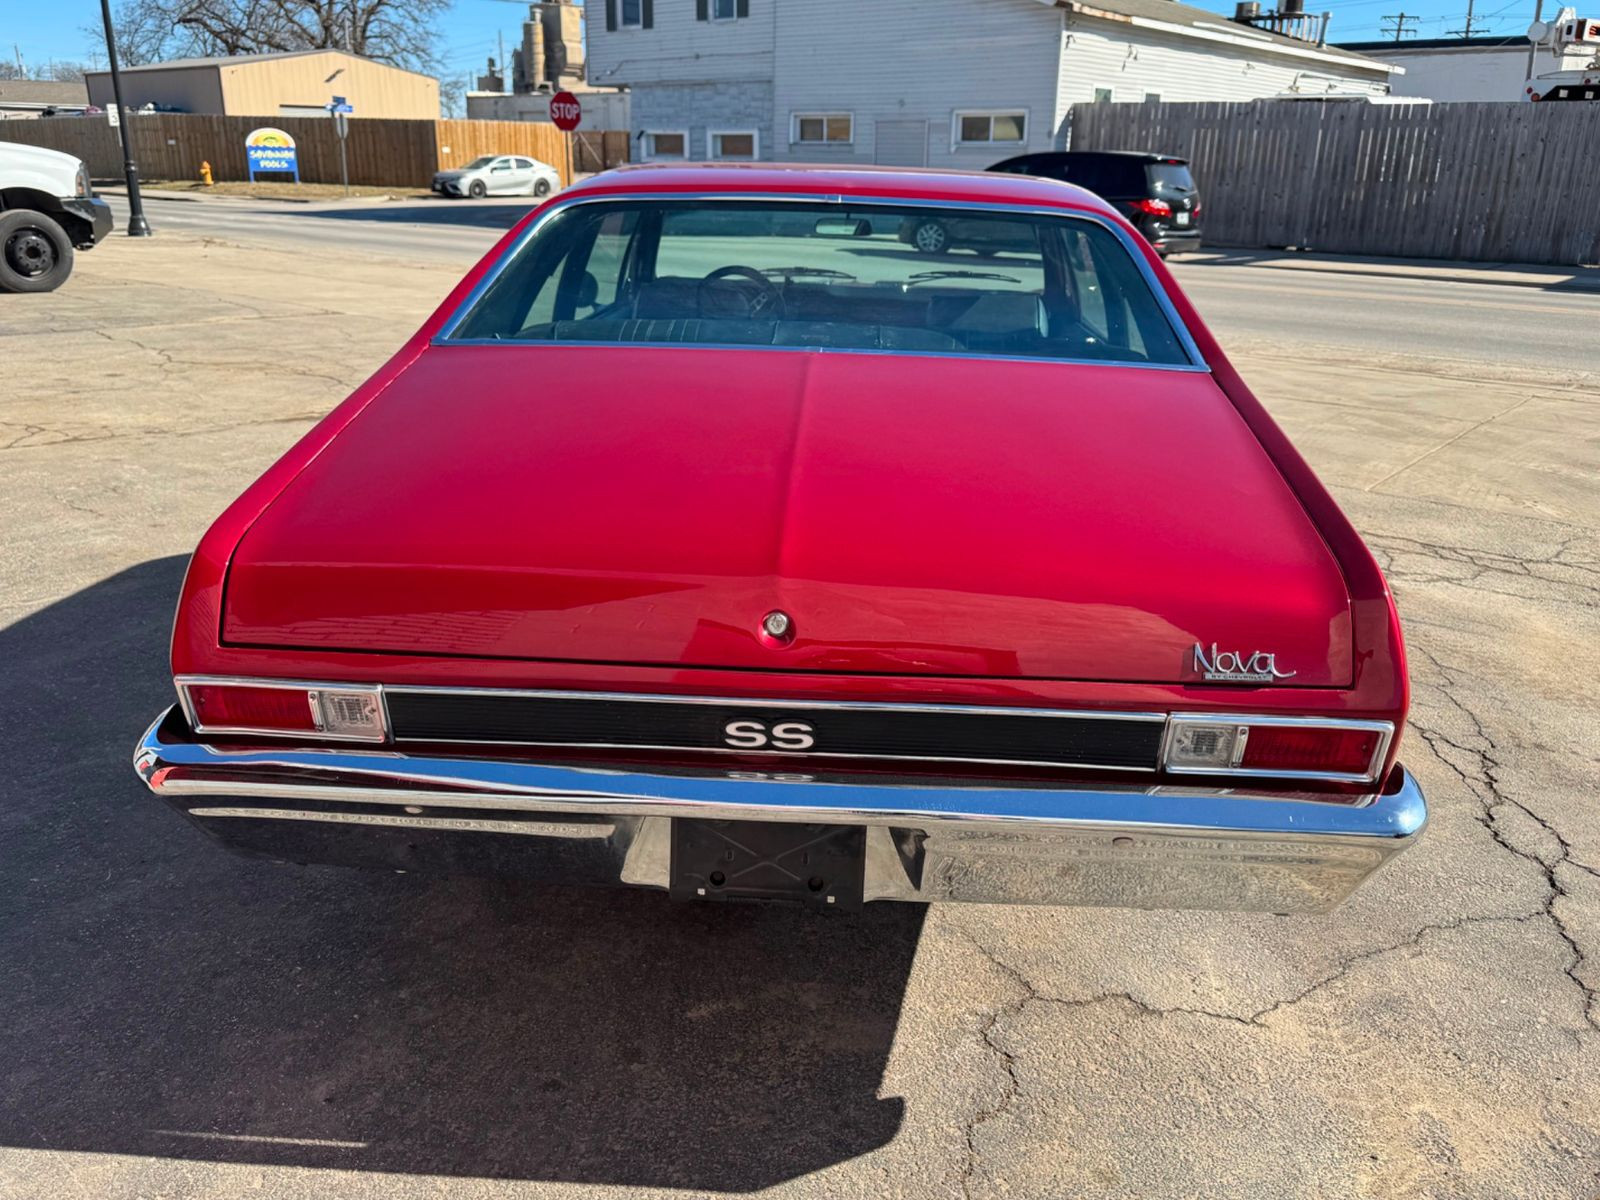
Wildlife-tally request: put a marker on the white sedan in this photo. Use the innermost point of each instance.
(498, 175)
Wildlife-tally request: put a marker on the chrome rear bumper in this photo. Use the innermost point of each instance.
(1134, 847)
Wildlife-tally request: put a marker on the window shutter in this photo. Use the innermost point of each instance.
(742, 8)
(647, 10)
(611, 16)
(702, 10)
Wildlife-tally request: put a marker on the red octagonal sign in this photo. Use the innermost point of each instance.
(565, 112)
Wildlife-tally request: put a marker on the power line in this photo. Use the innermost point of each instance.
(1470, 27)
(1401, 21)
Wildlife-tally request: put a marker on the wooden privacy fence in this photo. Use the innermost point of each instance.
(1510, 182)
(599, 150)
(381, 153)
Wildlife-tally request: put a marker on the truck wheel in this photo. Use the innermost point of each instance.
(35, 252)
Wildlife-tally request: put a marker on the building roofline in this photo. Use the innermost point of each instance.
(1205, 25)
(1515, 41)
(250, 60)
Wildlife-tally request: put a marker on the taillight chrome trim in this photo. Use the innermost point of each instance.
(1380, 753)
(184, 682)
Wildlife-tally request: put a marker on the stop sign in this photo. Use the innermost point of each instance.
(564, 111)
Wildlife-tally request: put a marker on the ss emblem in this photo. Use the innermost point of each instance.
(754, 735)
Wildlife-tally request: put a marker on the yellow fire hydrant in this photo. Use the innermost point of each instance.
(205, 173)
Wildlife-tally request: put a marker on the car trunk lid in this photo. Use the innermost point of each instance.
(911, 514)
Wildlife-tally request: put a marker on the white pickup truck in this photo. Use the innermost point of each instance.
(46, 209)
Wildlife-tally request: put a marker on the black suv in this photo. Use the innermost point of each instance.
(1154, 191)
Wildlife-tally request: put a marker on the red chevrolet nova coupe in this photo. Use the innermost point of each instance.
(710, 538)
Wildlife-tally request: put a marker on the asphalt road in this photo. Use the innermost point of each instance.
(1246, 297)
(181, 1023)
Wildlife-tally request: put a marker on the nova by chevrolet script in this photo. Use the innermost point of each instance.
(713, 538)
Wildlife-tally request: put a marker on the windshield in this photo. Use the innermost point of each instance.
(827, 276)
(479, 164)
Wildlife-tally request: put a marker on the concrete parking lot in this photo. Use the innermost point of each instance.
(181, 1023)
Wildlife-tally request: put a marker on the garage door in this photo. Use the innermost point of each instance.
(900, 143)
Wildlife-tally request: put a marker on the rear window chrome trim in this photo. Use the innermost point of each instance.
(1129, 242)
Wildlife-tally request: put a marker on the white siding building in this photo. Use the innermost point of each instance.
(1479, 68)
(958, 83)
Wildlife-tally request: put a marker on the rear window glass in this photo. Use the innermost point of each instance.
(827, 277)
(1171, 179)
(1119, 177)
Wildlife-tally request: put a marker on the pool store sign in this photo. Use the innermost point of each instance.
(271, 151)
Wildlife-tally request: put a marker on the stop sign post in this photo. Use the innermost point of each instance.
(565, 113)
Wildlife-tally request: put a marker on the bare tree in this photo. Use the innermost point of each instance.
(59, 71)
(401, 32)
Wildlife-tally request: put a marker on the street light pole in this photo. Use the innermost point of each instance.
(137, 225)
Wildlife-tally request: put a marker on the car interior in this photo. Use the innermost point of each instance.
(736, 273)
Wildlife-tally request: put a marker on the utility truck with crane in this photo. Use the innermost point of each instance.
(1567, 35)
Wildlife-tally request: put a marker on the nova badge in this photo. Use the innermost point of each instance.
(757, 735)
(1231, 666)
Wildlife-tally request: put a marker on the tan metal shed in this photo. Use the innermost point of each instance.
(274, 85)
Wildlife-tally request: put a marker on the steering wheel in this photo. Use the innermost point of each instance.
(759, 295)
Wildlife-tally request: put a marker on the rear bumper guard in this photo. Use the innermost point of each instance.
(1113, 845)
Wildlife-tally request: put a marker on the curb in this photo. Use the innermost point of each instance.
(1313, 266)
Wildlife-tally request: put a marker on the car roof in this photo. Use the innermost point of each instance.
(1138, 155)
(866, 183)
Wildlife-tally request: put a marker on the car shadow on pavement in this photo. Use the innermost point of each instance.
(166, 998)
(483, 214)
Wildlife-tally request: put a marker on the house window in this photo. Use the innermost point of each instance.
(723, 10)
(824, 128)
(633, 12)
(1152, 97)
(662, 144)
(984, 128)
(1102, 95)
(734, 143)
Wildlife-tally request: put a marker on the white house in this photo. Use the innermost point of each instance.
(1477, 68)
(927, 82)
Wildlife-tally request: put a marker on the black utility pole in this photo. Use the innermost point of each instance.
(137, 225)
(1401, 23)
(1471, 24)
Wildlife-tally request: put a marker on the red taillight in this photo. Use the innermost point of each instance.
(239, 706)
(1154, 208)
(1341, 751)
(341, 712)
(1297, 748)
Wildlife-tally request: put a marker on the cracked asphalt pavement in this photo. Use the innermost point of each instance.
(180, 1023)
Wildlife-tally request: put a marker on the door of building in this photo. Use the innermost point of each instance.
(900, 143)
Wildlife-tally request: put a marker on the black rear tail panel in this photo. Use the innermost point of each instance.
(1128, 742)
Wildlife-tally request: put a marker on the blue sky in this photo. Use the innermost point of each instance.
(46, 29)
